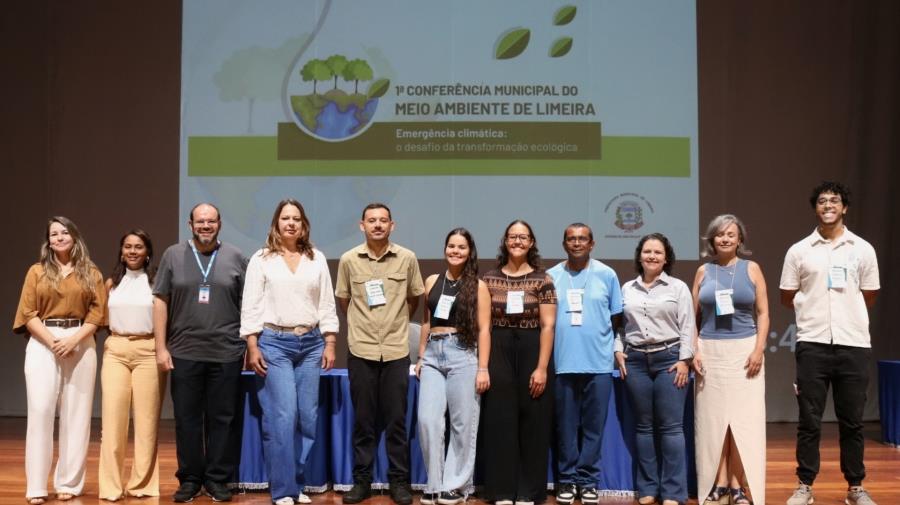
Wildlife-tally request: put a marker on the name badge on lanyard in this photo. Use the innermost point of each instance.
(575, 300)
(203, 293)
(724, 302)
(442, 311)
(375, 293)
(837, 277)
(515, 302)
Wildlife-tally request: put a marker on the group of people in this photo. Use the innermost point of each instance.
(506, 357)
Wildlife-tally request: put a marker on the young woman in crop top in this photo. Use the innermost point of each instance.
(453, 369)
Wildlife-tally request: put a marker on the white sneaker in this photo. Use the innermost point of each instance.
(302, 498)
(803, 495)
(520, 502)
(856, 495)
(287, 500)
(503, 502)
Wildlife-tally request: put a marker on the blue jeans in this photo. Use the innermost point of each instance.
(582, 402)
(289, 397)
(448, 382)
(659, 412)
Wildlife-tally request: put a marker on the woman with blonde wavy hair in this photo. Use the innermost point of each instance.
(61, 306)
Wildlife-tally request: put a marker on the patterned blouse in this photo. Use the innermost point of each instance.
(538, 288)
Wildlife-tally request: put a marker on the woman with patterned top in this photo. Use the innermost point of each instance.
(289, 320)
(453, 369)
(518, 409)
(62, 305)
(129, 377)
(730, 393)
(652, 352)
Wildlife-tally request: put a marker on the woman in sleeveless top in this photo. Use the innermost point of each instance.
(730, 408)
(453, 369)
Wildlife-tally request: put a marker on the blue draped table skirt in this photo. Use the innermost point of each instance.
(889, 401)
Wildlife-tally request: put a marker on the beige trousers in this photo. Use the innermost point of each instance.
(68, 382)
(130, 379)
(725, 397)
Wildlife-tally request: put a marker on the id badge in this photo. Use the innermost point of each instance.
(203, 294)
(724, 303)
(442, 311)
(375, 293)
(575, 318)
(837, 277)
(575, 298)
(515, 302)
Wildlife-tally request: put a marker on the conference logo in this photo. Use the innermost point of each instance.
(627, 211)
(334, 109)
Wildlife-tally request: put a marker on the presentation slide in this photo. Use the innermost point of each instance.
(464, 113)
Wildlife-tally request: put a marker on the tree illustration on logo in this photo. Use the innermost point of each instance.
(357, 70)
(315, 71)
(336, 63)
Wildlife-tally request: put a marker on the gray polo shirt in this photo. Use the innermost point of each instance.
(203, 331)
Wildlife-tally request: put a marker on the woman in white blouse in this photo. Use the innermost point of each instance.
(130, 373)
(288, 318)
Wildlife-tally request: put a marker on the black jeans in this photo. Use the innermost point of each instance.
(378, 391)
(205, 397)
(846, 369)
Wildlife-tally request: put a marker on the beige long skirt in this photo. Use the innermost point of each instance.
(724, 397)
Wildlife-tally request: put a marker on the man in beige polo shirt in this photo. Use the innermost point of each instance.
(379, 287)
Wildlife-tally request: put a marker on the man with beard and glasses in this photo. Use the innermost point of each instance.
(196, 320)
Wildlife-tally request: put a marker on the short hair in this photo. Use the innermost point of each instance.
(718, 224)
(670, 253)
(191, 213)
(373, 206)
(579, 225)
(830, 187)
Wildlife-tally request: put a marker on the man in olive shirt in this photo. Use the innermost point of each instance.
(379, 287)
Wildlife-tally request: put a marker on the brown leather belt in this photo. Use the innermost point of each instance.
(62, 323)
(296, 330)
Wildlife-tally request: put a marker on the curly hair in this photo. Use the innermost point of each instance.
(467, 297)
(670, 252)
(534, 256)
(830, 187)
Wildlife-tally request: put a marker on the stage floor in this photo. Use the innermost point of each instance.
(882, 466)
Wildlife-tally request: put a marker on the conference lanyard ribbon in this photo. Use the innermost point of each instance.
(203, 294)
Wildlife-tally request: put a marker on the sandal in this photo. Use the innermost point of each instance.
(647, 500)
(64, 496)
(738, 497)
(716, 493)
(36, 500)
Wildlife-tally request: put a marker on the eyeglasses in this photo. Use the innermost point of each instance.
(834, 200)
(578, 240)
(522, 237)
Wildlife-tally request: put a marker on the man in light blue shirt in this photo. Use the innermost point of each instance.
(590, 303)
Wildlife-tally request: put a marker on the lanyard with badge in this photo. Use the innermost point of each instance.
(375, 289)
(724, 297)
(515, 300)
(204, 292)
(445, 303)
(575, 298)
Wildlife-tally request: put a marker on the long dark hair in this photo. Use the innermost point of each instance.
(534, 256)
(120, 268)
(467, 297)
(273, 241)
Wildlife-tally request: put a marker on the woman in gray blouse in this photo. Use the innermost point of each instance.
(653, 350)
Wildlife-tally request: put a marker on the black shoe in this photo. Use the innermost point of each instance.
(186, 492)
(217, 491)
(357, 493)
(451, 498)
(429, 498)
(401, 494)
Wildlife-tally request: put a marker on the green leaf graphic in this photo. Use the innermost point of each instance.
(378, 88)
(512, 44)
(564, 15)
(561, 47)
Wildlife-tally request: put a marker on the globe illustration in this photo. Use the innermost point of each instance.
(334, 115)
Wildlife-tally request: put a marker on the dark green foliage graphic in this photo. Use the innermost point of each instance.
(561, 47)
(564, 15)
(336, 63)
(357, 70)
(378, 88)
(512, 43)
(315, 70)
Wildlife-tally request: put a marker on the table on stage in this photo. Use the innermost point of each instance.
(331, 459)
(889, 401)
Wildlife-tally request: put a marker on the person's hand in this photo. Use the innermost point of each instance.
(537, 382)
(482, 380)
(328, 355)
(697, 364)
(63, 347)
(620, 363)
(754, 363)
(419, 369)
(164, 360)
(255, 361)
(681, 373)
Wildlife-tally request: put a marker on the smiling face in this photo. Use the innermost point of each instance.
(204, 225)
(290, 224)
(653, 257)
(830, 209)
(518, 241)
(61, 242)
(578, 243)
(134, 252)
(457, 250)
(377, 225)
(727, 240)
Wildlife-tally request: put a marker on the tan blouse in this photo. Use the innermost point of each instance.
(69, 300)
